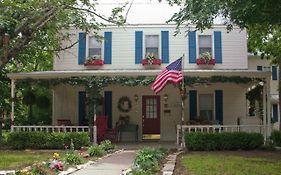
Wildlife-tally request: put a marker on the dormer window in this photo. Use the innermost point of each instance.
(205, 44)
(152, 45)
(94, 48)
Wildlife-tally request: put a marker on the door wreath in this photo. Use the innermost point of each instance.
(124, 104)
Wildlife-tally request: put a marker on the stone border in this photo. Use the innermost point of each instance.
(170, 165)
(82, 166)
(71, 169)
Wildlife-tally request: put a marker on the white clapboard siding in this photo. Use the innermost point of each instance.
(234, 48)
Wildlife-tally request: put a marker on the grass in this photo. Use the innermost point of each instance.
(209, 164)
(18, 159)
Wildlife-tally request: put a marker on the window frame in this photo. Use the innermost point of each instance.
(88, 47)
(212, 44)
(159, 44)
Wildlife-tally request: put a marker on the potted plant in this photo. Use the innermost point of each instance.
(93, 61)
(205, 58)
(150, 59)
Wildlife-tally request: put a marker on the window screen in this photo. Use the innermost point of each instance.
(152, 45)
(94, 47)
(206, 106)
(205, 44)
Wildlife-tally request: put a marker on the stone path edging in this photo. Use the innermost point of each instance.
(170, 165)
(82, 166)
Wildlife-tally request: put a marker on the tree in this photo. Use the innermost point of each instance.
(36, 25)
(262, 19)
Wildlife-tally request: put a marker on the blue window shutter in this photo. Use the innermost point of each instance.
(259, 68)
(108, 107)
(192, 104)
(107, 47)
(219, 105)
(81, 107)
(165, 46)
(218, 47)
(192, 47)
(275, 112)
(138, 46)
(274, 73)
(81, 47)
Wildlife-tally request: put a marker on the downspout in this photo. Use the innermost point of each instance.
(13, 85)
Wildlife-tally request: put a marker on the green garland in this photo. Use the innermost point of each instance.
(121, 106)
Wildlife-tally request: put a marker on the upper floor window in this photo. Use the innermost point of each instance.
(205, 44)
(206, 106)
(94, 48)
(152, 45)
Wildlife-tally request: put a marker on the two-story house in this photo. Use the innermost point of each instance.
(215, 90)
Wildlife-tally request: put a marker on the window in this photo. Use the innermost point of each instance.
(206, 106)
(152, 45)
(205, 44)
(151, 108)
(94, 48)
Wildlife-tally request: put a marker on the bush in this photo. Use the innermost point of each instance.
(73, 158)
(45, 140)
(96, 151)
(276, 137)
(147, 160)
(106, 145)
(223, 141)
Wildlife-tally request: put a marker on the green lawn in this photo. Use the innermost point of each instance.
(19, 159)
(219, 164)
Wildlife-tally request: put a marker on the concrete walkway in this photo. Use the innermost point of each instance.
(112, 165)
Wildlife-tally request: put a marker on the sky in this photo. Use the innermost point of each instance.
(141, 11)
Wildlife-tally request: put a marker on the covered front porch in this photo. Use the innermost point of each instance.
(215, 101)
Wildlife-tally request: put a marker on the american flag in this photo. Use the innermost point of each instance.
(172, 73)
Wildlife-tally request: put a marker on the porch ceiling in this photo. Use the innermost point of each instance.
(132, 73)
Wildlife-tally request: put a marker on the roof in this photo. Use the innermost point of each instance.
(134, 73)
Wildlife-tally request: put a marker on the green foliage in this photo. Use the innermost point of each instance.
(44, 140)
(73, 158)
(223, 141)
(96, 151)
(276, 138)
(106, 145)
(147, 161)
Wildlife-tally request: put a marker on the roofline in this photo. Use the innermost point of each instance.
(135, 73)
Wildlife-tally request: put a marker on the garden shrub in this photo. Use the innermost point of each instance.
(73, 158)
(106, 145)
(223, 141)
(276, 137)
(147, 161)
(96, 151)
(45, 140)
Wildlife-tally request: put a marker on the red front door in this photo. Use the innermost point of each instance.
(151, 117)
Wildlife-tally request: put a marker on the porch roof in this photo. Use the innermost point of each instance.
(83, 73)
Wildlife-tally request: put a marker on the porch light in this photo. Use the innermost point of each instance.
(166, 98)
(136, 97)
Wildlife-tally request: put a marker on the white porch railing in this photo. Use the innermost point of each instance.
(218, 128)
(55, 129)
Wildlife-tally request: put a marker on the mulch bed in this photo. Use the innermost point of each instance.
(272, 155)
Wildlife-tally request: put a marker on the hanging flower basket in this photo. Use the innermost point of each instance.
(202, 61)
(151, 61)
(94, 62)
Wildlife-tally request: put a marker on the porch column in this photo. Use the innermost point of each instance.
(13, 85)
(268, 105)
(264, 110)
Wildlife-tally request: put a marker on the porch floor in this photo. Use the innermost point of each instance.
(141, 144)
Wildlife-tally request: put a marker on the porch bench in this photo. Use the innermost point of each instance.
(128, 128)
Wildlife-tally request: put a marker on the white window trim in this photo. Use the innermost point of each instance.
(214, 105)
(87, 47)
(159, 44)
(213, 43)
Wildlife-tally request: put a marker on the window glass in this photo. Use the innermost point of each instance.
(152, 45)
(151, 108)
(206, 106)
(94, 47)
(205, 44)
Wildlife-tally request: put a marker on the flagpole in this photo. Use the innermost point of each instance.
(182, 101)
